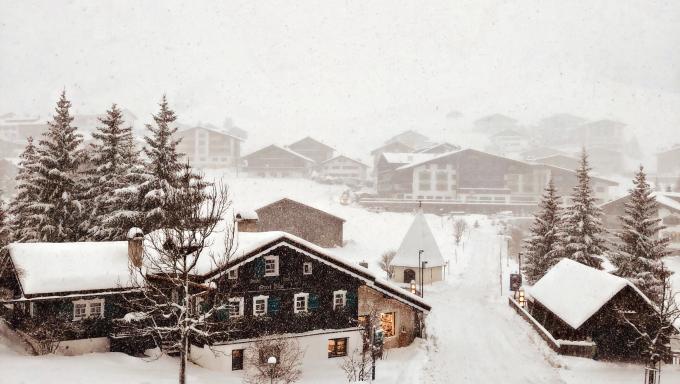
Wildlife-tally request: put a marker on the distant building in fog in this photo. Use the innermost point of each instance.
(313, 149)
(668, 168)
(344, 168)
(495, 123)
(509, 141)
(410, 138)
(600, 133)
(562, 161)
(209, 148)
(276, 161)
(437, 148)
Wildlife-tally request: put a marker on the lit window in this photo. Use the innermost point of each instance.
(236, 307)
(233, 274)
(387, 323)
(307, 268)
(260, 305)
(237, 359)
(271, 265)
(339, 299)
(301, 300)
(337, 347)
(83, 309)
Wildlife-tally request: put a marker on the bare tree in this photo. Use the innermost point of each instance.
(459, 228)
(360, 364)
(655, 328)
(45, 333)
(288, 356)
(357, 365)
(171, 307)
(386, 262)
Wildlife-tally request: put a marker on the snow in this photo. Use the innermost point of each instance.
(70, 267)
(134, 232)
(246, 214)
(575, 292)
(408, 158)
(419, 237)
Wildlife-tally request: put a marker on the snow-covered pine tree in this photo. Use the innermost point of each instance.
(581, 233)
(115, 170)
(59, 156)
(23, 222)
(538, 254)
(640, 250)
(163, 167)
(4, 226)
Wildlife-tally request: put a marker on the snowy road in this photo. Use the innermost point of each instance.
(475, 336)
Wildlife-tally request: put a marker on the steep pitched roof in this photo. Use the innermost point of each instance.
(575, 292)
(310, 139)
(299, 203)
(408, 157)
(419, 237)
(346, 157)
(210, 129)
(279, 148)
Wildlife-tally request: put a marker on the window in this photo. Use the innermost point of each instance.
(442, 181)
(237, 359)
(233, 274)
(83, 309)
(198, 304)
(424, 180)
(337, 347)
(307, 268)
(260, 305)
(271, 265)
(300, 300)
(235, 307)
(339, 299)
(388, 324)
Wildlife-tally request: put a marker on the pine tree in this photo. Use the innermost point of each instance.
(57, 207)
(640, 250)
(115, 169)
(24, 222)
(538, 254)
(4, 226)
(581, 233)
(163, 168)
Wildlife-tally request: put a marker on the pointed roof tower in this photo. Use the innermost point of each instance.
(419, 237)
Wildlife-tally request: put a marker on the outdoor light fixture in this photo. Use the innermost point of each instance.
(522, 300)
(413, 287)
(272, 362)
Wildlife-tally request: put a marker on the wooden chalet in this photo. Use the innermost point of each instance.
(309, 223)
(312, 149)
(579, 306)
(344, 168)
(209, 148)
(276, 161)
(438, 148)
(562, 161)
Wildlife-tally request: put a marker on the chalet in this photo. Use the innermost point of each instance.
(555, 129)
(418, 246)
(474, 177)
(606, 160)
(344, 168)
(309, 223)
(561, 161)
(209, 148)
(668, 168)
(411, 138)
(276, 161)
(534, 153)
(601, 133)
(438, 148)
(578, 307)
(668, 211)
(312, 149)
(393, 147)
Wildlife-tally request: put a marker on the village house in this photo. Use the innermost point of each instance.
(494, 123)
(312, 149)
(539, 152)
(438, 148)
(561, 161)
(344, 168)
(393, 147)
(410, 138)
(209, 148)
(418, 258)
(473, 180)
(276, 161)
(576, 308)
(601, 133)
(309, 223)
(668, 169)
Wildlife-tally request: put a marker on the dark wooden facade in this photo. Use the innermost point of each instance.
(301, 220)
(274, 161)
(313, 149)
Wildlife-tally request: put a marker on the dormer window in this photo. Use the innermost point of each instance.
(271, 265)
(307, 268)
(233, 274)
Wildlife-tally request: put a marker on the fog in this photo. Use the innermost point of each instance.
(350, 73)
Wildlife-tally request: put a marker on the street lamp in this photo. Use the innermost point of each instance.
(420, 271)
(272, 362)
(413, 286)
(422, 275)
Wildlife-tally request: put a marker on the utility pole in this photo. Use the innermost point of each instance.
(420, 272)
(422, 284)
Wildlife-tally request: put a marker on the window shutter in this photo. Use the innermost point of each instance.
(110, 308)
(351, 299)
(259, 267)
(66, 308)
(313, 302)
(222, 314)
(273, 305)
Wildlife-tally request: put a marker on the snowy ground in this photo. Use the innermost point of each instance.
(474, 336)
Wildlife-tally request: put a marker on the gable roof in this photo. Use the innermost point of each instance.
(71, 267)
(575, 292)
(286, 199)
(250, 245)
(408, 157)
(427, 149)
(419, 237)
(457, 153)
(406, 147)
(662, 199)
(279, 148)
(309, 138)
(410, 134)
(213, 130)
(346, 157)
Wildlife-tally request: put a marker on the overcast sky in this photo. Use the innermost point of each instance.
(349, 72)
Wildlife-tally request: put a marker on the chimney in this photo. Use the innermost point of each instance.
(246, 221)
(364, 264)
(135, 238)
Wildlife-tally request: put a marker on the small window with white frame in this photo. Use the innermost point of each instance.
(84, 309)
(271, 265)
(233, 273)
(260, 305)
(300, 302)
(339, 299)
(236, 307)
(307, 268)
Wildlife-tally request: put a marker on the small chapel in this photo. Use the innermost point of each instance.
(418, 255)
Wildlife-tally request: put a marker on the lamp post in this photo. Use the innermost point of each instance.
(422, 275)
(272, 362)
(420, 271)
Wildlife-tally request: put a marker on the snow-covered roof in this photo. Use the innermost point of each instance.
(662, 199)
(419, 237)
(575, 292)
(71, 267)
(246, 214)
(345, 157)
(407, 158)
(290, 151)
(299, 203)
